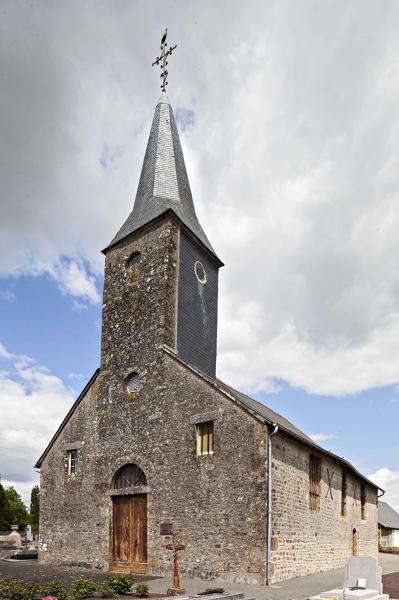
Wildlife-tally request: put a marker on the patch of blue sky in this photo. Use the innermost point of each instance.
(109, 158)
(185, 118)
(43, 323)
(364, 425)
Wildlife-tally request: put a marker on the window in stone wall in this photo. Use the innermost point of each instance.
(132, 265)
(314, 482)
(363, 501)
(133, 383)
(204, 438)
(129, 476)
(72, 461)
(344, 491)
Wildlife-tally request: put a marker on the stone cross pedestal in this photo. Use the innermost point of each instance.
(175, 547)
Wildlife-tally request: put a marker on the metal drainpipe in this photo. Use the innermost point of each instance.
(269, 501)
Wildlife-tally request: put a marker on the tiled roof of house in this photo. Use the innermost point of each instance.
(387, 516)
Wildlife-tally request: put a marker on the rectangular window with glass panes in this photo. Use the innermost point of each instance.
(72, 461)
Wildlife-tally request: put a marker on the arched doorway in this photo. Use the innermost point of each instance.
(129, 520)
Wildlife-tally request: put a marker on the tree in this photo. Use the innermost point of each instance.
(34, 508)
(18, 509)
(5, 512)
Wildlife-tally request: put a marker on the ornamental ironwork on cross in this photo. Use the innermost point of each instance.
(161, 60)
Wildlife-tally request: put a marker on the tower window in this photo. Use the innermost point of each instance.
(363, 501)
(133, 383)
(132, 265)
(134, 260)
(204, 438)
(344, 491)
(314, 482)
(72, 461)
(200, 272)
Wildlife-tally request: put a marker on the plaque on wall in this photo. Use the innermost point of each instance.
(166, 528)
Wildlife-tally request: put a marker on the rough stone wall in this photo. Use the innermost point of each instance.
(218, 501)
(307, 541)
(139, 311)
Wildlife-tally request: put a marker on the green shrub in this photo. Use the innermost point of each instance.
(55, 589)
(142, 590)
(3, 588)
(17, 590)
(82, 588)
(106, 591)
(120, 584)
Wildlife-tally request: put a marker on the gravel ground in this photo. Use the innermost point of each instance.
(32, 570)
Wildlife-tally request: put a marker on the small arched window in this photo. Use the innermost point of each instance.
(132, 266)
(129, 477)
(133, 383)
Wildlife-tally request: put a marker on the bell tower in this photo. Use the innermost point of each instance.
(161, 258)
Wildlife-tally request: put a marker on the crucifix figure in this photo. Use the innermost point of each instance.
(161, 60)
(175, 547)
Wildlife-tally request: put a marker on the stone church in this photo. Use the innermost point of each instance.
(157, 442)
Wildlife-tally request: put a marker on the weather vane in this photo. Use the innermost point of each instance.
(161, 60)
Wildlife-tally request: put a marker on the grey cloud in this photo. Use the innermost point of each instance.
(292, 160)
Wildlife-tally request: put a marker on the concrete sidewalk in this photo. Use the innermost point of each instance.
(299, 588)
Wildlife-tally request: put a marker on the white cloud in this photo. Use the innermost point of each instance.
(33, 402)
(74, 280)
(389, 481)
(291, 151)
(322, 437)
(3, 352)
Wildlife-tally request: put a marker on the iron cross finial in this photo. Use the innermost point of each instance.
(161, 60)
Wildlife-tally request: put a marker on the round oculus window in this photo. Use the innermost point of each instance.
(133, 383)
(200, 271)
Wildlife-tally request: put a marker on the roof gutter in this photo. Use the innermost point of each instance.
(269, 501)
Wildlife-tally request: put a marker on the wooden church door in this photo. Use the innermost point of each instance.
(130, 534)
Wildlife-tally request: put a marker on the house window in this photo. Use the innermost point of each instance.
(363, 501)
(204, 438)
(344, 491)
(314, 482)
(72, 461)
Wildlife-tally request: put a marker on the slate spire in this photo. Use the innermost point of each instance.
(163, 183)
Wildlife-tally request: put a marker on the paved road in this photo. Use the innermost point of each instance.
(299, 588)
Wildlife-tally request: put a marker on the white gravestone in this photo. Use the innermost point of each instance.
(363, 581)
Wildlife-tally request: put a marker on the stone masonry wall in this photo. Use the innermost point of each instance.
(218, 501)
(307, 541)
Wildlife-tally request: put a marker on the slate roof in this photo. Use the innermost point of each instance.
(163, 183)
(387, 516)
(268, 415)
(259, 410)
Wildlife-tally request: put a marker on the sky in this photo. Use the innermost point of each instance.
(289, 121)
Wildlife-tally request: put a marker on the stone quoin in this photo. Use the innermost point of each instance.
(156, 438)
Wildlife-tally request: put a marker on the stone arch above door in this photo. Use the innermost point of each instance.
(129, 476)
